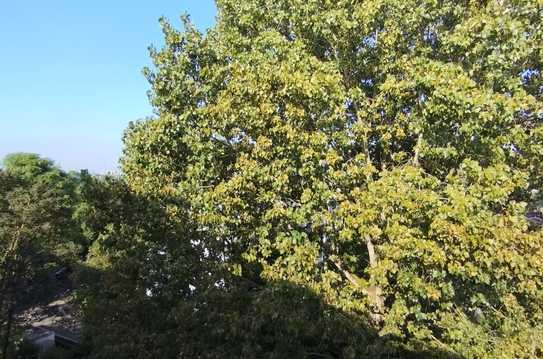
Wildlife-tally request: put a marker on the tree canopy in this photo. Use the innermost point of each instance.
(45, 222)
(381, 153)
(326, 179)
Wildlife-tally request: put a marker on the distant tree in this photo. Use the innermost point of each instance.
(31, 220)
(30, 167)
(43, 225)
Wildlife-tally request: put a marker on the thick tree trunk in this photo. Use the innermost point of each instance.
(375, 293)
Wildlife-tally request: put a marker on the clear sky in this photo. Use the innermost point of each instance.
(70, 74)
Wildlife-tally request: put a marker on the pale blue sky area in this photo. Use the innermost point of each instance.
(70, 74)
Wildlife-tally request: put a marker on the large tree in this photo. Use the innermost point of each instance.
(382, 153)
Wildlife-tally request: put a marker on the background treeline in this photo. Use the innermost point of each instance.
(40, 231)
(322, 179)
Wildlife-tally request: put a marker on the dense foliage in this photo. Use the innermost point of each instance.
(326, 179)
(42, 229)
(382, 154)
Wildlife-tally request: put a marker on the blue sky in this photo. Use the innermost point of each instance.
(70, 74)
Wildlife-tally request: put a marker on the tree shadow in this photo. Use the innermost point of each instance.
(145, 306)
(276, 320)
(144, 303)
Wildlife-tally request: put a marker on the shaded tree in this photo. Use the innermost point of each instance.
(43, 226)
(382, 154)
(31, 218)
